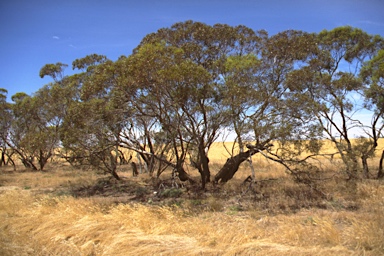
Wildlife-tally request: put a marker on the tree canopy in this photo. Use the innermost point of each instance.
(183, 87)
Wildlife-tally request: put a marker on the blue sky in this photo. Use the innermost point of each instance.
(38, 32)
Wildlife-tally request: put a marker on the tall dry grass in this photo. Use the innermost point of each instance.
(40, 215)
(68, 226)
(55, 213)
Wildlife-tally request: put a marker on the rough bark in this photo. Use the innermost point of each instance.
(203, 166)
(183, 176)
(231, 167)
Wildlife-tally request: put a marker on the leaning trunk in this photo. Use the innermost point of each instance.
(115, 175)
(232, 166)
(28, 163)
(113, 165)
(183, 176)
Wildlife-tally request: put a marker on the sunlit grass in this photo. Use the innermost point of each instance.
(45, 225)
(43, 213)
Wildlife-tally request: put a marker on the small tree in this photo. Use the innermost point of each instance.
(90, 129)
(193, 64)
(373, 75)
(32, 135)
(5, 125)
(263, 100)
(329, 89)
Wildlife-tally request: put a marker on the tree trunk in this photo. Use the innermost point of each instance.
(205, 173)
(115, 175)
(351, 164)
(365, 167)
(12, 162)
(252, 169)
(231, 167)
(2, 161)
(112, 166)
(43, 159)
(28, 163)
(202, 165)
(138, 155)
(380, 174)
(9, 158)
(183, 176)
(134, 169)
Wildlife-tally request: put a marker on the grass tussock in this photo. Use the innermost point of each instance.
(66, 212)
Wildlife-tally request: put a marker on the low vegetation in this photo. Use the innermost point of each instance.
(65, 211)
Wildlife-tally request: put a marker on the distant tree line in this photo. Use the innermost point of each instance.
(185, 86)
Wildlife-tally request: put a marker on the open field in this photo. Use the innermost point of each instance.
(64, 211)
(220, 151)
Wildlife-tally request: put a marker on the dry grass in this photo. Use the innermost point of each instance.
(220, 151)
(69, 212)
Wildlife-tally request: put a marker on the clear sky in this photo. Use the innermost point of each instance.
(37, 32)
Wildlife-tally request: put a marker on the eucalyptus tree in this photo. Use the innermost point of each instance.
(55, 98)
(3, 128)
(206, 78)
(33, 134)
(373, 76)
(55, 71)
(5, 125)
(162, 96)
(138, 125)
(17, 130)
(193, 91)
(124, 119)
(329, 87)
(262, 100)
(80, 108)
(91, 128)
(191, 81)
(61, 97)
(238, 93)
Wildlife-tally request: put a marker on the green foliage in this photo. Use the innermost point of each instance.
(363, 146)
(53, 70)
(373, 75)
(186, 84)
(88, 61)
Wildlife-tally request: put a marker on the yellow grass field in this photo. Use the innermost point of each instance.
(64, 211)
(220, 151)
